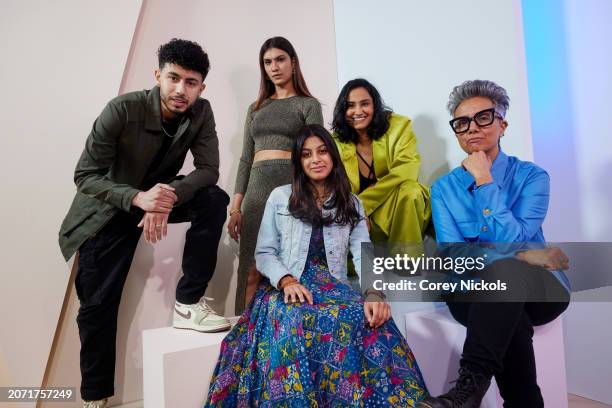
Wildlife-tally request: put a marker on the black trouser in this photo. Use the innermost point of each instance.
(103, 264)
(499, 334)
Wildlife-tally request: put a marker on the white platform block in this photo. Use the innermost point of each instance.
(177, 366)
(437, 339)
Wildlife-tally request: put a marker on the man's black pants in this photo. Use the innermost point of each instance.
(499, 333)
(103, 264)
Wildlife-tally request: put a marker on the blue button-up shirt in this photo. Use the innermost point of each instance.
(511, 209)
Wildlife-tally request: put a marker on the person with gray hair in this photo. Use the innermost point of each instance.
(479, 88)
(495, 198)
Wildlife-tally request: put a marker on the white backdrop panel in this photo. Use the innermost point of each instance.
(415, 52)
(589, 325)
(57, 78)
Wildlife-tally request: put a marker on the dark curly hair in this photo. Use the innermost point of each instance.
(187, 54)
(302, 202)
(380, 121)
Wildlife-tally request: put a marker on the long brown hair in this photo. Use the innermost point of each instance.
(302, 202)
(266, 87)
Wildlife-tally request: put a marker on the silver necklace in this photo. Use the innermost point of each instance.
(166, 132)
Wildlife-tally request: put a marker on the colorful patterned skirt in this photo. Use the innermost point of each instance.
(324, 355)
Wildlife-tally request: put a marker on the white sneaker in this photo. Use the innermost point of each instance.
(199, 317)
(95, 404)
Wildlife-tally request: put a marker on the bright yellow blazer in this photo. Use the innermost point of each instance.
(397, 204)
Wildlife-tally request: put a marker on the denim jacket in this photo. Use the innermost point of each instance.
(282, 244)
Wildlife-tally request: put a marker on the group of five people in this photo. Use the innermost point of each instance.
(304, 202)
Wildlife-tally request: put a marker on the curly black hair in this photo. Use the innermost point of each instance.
(187, 54)
(380, 121)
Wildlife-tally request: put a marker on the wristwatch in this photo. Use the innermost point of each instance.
(375, 295)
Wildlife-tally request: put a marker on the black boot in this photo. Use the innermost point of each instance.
(468, 392)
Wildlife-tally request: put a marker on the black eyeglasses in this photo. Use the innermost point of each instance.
(482, 118)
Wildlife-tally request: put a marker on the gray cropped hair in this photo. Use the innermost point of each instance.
(479, 87)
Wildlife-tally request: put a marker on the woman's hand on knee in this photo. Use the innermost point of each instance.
(296, 292)
(376, 313)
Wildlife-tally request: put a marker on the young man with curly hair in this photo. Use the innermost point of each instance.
(127, 184)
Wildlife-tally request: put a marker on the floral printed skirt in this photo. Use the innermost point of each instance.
(324, 355)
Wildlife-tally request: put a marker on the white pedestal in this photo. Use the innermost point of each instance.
(177, 366)
(437, 340)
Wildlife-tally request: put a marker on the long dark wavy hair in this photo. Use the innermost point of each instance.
(380, 121)
(302, 202)
(266, 87)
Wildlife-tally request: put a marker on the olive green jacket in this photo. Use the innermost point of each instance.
(118, 152)
(395, 160)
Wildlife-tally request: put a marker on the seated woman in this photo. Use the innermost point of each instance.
(307, 338)
(378, 150)
(497, 198)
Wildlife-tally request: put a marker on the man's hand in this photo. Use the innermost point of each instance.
(160, 199)
(154, 225)
(479, 165)
(376, 313)
(550, 258)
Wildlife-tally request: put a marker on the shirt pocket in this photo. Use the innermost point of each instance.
(344, 233)
(284, 223)
(340, 244)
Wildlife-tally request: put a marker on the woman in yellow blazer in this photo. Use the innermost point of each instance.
(378, 149)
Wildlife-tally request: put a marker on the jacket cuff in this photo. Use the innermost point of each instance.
(128, 196)
(275, 278)
(180, 191)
